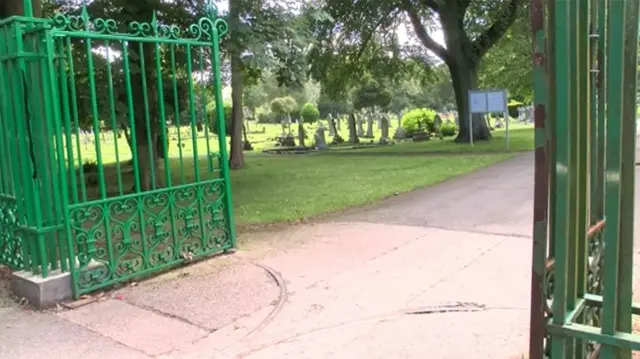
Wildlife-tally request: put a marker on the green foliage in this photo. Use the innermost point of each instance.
(448, 128)
(371, 93)
(213, 117)
(291, 106)
(278, 106)
(309, 113)
(418, 118)
(507, 64)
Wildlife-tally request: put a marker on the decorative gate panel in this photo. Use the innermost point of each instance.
(149, 186)
(113, 146)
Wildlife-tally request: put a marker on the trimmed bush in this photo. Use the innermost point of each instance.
(309, 113)
(448, 128)
(213, 122)
(419, 117)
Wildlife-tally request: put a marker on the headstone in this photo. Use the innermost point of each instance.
(338, 123)
(384, 127)
(332, 131)
(530, 115)
(521, 115)
(321, 142)
(437, 122)
(369, 133)
(360, 123)
(499, 123)
(399, 134)
(353, 136)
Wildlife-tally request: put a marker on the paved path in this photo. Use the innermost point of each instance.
(437, 273)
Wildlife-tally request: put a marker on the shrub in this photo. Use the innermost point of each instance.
(448, 128)
(309, 113)
(213, 120)
(267, 117)
(414, 119)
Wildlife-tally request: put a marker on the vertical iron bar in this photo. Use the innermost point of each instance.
(176, 108)
(112, 112)
(147, 120)
(615, 75)
(130, 111)
(563, 87)
(222, 138)
(162, 115)
(95, 118)
(192, 113)
(76, 122)
(205, 118)
(540, 197)
(67, 242)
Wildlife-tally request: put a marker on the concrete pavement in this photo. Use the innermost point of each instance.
(436, 273)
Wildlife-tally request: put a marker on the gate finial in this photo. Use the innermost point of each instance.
(212, 9)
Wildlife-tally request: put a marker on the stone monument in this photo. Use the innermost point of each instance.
(384, 127)
(321, 142)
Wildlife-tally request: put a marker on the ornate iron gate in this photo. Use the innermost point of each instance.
(115, 154)
(585, 58)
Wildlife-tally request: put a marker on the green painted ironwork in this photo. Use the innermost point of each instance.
(110, 166)
(585, 58)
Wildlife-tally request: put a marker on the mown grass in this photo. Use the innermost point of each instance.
(281, 188)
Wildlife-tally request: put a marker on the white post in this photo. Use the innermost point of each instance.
(506, 118)
(471, 128)
(470, 119)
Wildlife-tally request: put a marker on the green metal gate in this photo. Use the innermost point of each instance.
(585, 58)
(109, 163)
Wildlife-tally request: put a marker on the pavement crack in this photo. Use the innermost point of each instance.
(452, 308)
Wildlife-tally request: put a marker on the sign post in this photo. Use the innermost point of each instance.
(488, 101)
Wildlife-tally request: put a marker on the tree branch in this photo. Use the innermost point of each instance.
(493, 34)
(369, 36)
(432, 4)
(422, 33)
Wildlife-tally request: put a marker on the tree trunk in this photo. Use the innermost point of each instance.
(10, 8)
(301, 133)
(464, 77)
(236, 161)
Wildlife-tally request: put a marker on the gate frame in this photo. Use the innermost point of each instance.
(64, 254)
(581, 294)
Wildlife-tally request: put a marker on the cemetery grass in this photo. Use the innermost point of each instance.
(275, 189)
(290, 188)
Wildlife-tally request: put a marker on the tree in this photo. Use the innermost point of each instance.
(371, 94)
(309, 113)
(265, 35)
(506, 64)
(471, 28)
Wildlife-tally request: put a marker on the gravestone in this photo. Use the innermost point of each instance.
(521, 115)
(499, 123)
(332, 131)
(360, 127)
(353, 136)
(437, 122)
(321, 142)
(399, 134)
(338, 123)
(384, 127)
(369, 133)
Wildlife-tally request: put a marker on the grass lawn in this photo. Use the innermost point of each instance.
(285, 188)
(277, 188)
